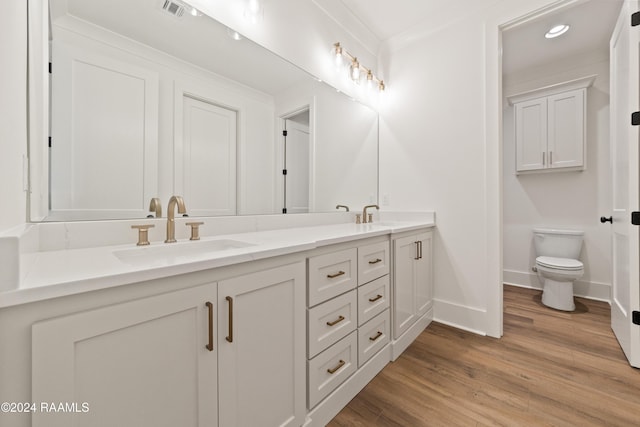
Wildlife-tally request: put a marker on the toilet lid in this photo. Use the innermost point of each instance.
(559, 263)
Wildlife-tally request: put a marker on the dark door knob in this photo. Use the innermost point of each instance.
(604, 219)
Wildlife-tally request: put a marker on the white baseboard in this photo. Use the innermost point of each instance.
(459, 316)
(581, 288)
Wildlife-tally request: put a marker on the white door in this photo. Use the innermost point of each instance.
(104, 125)
(142, 363)
(297, 150)
(208, 161)
(261, 348)
(624, 155)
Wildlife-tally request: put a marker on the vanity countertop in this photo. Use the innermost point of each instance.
(57, 273)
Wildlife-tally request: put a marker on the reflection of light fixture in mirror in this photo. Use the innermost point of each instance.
(253, 10)
(556, 31)
(356, 70)
(234, 34)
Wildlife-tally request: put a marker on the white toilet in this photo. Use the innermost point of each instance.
(557, 265)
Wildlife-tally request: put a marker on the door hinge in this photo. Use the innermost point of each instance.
(635, 317)
(635, 19)
(284, 210)
(50, 67)
(635, 118)
(284, 171)
(49, 142)
(284, 133)
(635, 218)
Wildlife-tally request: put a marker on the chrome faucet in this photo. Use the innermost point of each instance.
(171, 225)
(156, 207)
(342, 206)
(364, 213)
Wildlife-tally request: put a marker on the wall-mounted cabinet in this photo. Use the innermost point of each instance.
(550, 127)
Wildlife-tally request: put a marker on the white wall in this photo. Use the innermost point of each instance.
(573, 200)
(440, 150)
(13, 112)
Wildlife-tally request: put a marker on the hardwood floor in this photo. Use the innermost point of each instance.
(550, 368)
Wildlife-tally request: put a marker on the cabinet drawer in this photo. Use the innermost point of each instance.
(332, 274)
(372, 336)
(331, 321)
(331, 367)
(373, 298)
(373, 261)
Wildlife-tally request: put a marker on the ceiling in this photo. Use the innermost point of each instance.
(524, 46)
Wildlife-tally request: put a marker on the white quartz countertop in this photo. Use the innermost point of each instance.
(57, 273)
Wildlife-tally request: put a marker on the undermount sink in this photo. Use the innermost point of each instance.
(177, 252)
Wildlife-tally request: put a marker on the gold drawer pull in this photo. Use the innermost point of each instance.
(230, 336)
(376, 298)
(338, 274)
(375, 261)
(209, 346)
(335, 322)
(378, 335)
(340, 365)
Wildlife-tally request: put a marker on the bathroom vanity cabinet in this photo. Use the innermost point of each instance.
(550, 127)
(162, 360)
(282, 339)
(413, 285)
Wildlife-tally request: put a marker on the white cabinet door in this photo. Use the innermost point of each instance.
(565, 142)
(531, 134)
(261, 332)
(141, 363)
(423, 274)
(405, 253)
(413, 282)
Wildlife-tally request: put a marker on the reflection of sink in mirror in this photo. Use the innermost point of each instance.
(178, 252)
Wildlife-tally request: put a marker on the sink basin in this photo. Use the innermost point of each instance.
(177, 252)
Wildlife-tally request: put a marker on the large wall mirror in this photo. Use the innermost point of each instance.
(145, 100)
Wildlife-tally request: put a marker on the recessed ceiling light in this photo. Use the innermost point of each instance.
(556, 31)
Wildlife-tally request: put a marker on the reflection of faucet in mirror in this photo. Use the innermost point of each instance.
(171, 225)
(342, 206)
(364, 213)
(155, 206)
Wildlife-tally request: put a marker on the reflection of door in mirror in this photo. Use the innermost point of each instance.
(209, 158)
(103, 136)
(296, 162)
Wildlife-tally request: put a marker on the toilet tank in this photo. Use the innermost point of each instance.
(558, 243)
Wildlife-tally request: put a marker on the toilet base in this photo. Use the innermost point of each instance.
(558, 295)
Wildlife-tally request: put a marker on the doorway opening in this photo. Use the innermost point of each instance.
(296, 162)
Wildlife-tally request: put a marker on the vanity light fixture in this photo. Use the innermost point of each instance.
(356, 70)
(556, 31)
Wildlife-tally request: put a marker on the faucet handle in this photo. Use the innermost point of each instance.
(143, 233)
(370, 217)
(358, 216)
(194, 229)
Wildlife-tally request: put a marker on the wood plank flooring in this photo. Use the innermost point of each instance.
(550, 368)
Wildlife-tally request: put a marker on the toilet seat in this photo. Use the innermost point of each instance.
(566, 264)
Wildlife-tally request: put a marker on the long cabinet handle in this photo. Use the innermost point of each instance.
(420, 247)
(209, 346)
(335, 322)
(417, 250)
(376, 336)
(340, 364)
(550, 158)
(543, 158)
(230, 336)
(338, 274)
(375, 261)
(376, 298)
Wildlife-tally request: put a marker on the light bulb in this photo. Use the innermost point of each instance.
(253, 11)
(337, 55)
(556, 31)
(369, 79)
(354, 70)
